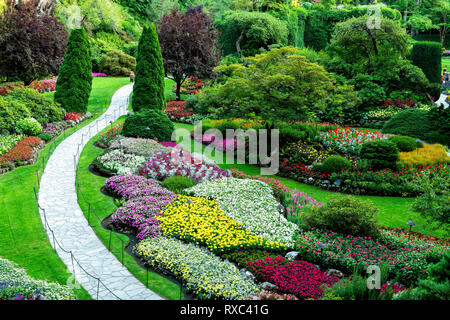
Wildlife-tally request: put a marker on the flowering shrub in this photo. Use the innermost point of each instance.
(21, 152)
(428, 155)
(119, 162)
(8, 142)
(300, 152)
(131, 186)
(202, 221)
(6, 88)
(182, 163)
(109, 135)
(300, 278)
(202, 272)
(140, 214)
(138, 146)
(296, 201)
(73, 116)
(251, 203)
(29, 126)
(177, 112)
(15, 284)
(349, 140)
(406, 262)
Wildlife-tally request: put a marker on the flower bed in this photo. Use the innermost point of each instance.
(202, 272)
(23, 151)
(8, 142)
(201, 221)
(116, 161)
(428, 155)
(349, 140)
(138, 146)
(15, 283)
(177, 112)
(73, 116)
(168, 164)
(105, 139)
(130, 186)
(140, 214)
(407, 261)
(42, 86)
(251, 203)
(300, 278)
(98, 74)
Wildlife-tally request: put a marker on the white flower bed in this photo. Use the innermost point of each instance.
(202, 272)
(251, 203)
(120, 162)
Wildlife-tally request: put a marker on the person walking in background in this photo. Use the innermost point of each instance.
(131, 76)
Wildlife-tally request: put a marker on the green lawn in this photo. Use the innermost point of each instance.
(103, 206)
(446, 62)
(22, 236)
(393, 211)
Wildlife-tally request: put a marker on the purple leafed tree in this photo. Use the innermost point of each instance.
(188, 45)
(32, 41)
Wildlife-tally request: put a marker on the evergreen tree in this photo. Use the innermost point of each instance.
(75, 75)
(148, 92)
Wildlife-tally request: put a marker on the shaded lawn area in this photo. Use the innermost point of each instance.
(393, 211)
(103, 206)
(22, 237)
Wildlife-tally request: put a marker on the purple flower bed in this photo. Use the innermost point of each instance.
(131, 186)
(140, 214)
(168, 144)
(168, 164)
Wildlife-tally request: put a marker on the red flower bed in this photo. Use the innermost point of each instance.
(300, 278)
(110, 134)
(44, 85)
(8, 87)
(21, 152)
(74, 116)
(398, 103)
(175, 110)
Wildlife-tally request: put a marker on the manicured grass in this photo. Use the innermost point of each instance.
(446, 62)
(393, 211)
(103, 206)
(22, 236)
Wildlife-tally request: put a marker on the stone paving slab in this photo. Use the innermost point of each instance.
(58, 197)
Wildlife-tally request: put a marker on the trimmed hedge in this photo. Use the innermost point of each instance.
(150, 124)
(404, 144)
(334, 164)
(427, 55)
(413, 122)
(381, 154)
(74, 83)
(148, 91)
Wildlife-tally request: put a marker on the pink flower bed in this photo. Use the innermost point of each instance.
(299, 278)
(99, 74)
(131, 186)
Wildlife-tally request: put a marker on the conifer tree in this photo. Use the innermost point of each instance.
(74, 83)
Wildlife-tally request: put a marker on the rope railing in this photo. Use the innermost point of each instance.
(56, 244)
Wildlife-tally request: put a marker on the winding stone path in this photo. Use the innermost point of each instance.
(58, 197)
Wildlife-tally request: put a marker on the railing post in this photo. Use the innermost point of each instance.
(109, 245)
(122, 250)
(147, 277)
(98, 287)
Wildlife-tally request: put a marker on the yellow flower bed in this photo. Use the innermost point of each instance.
(428, 155)
(201, 221)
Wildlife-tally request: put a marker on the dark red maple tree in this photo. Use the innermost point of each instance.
(188, 45)
(32, 41)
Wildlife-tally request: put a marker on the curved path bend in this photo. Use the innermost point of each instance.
(58, 197)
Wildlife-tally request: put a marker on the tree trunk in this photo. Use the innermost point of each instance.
(238, 44)
(178, 98)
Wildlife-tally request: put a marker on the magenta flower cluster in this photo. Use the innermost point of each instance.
(130, 186)
(297, 201)
(300, 278)
(168, 164)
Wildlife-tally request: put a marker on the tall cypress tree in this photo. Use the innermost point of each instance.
(75, 75)
(427, 55)
(148, 91)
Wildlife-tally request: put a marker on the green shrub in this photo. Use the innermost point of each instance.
(148, 91)
(288, 135)
(29, 126)
(403, 143)
(413, 123)
(42, 108)
(45, 136)
(74, 83)
(151, 124)
(334, 163)
(427, 55)
(227, 124)
(381, 154)
(11, 112)
(347, 215)
(177, 183)
(117, 63)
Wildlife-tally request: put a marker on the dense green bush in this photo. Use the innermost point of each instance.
(334, 163)
(428, 56)
(148, 91)
(42, 108)
(117, 63)
(347, 215)
(288, 135)
(45, 136)
(74, 83)
(177, 183)
(29, 126)
(151, 124)
(413, 122)
(439, 118)
(227, 124)
(404, 143)
(381, 154)
(11, 112)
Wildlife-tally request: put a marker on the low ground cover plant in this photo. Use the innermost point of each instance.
(118, 162)
(130, 186)
(428, 155)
